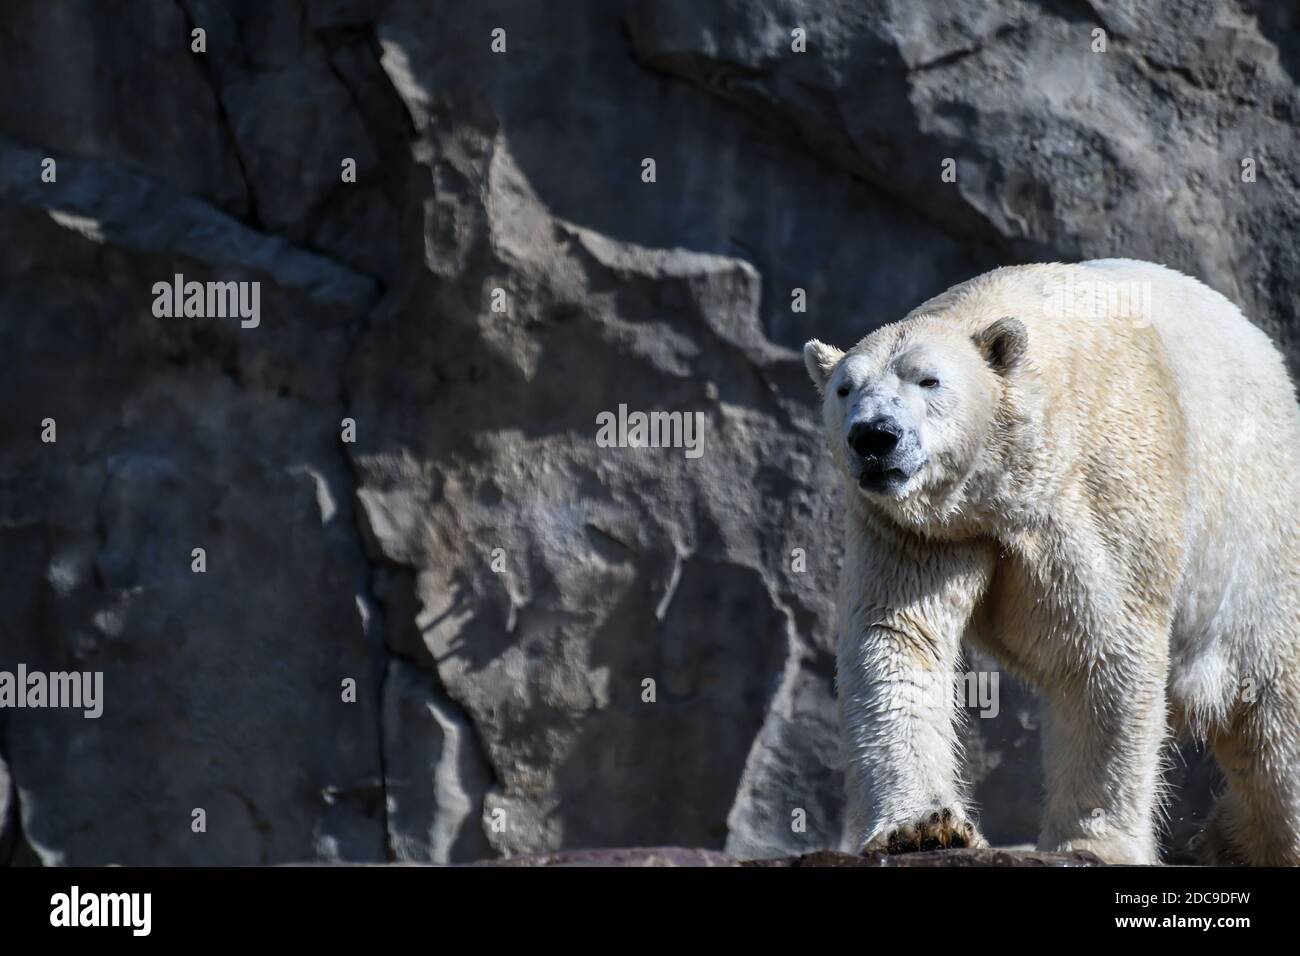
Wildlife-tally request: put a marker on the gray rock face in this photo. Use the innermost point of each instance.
(554, 644)
(1062, 151)
(84, 80)
(222, 686)
(434, 775)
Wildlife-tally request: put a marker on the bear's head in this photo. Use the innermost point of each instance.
(911, 411)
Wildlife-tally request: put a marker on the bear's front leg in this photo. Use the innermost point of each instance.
(897, 706)
(897, 658)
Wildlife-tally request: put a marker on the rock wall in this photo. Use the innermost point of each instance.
(396, 485)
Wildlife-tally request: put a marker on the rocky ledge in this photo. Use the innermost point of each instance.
(683, 856)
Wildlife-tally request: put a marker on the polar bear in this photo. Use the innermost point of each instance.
(1091, 472)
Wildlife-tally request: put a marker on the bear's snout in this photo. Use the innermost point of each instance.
(875, 438)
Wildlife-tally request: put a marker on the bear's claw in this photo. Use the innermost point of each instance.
(940, 830)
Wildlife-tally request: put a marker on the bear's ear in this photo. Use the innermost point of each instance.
(820, 360)
(1003, 344)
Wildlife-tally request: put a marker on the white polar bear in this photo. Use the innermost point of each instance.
(1091, 472)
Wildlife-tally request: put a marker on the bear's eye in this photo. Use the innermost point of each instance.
(842, 391)
(929, 383)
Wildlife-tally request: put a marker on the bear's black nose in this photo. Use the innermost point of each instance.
(874, 438)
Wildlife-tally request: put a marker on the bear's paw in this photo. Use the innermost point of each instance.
(944, 829)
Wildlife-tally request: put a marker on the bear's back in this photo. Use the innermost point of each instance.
(1141, 363)
(1241, 473)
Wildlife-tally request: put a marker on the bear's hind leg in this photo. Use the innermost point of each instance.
(1256, 820)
